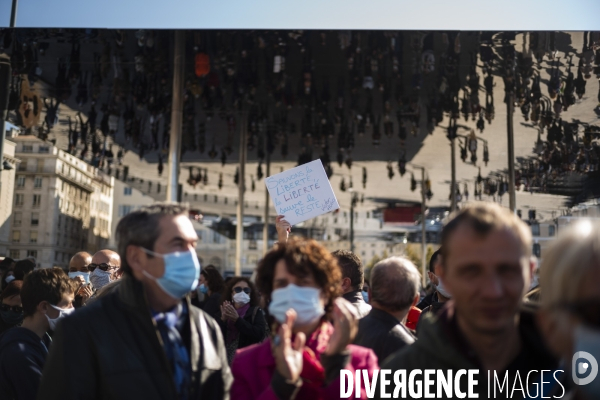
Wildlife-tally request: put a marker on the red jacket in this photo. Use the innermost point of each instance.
(413, 318)
(253, 368)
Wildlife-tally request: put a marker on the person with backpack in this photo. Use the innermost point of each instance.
(243, 322)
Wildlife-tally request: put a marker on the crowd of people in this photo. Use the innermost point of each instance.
(148, 321)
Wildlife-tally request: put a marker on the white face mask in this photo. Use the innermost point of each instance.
(9, 279)
(442, 289)
(62, 312)
(306, 301)
(241, 298)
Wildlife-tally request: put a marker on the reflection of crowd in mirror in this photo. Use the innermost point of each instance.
(388, 83)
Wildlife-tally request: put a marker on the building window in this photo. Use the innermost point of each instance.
(127, 191)
(40, 165)
(17, 219)
(16, 236)
(20, 181)
(537, 251)
(33, 237)
(35, 219)
(14, 254)
(551, 230)
(32, 253)
(44, 149)
(23, 165)
(27, 148)
(124, 210)
(37, 200)
(19, 197)
(37, 182)
(535, 229)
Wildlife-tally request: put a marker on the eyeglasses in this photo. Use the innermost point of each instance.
(6, 307)
(588, 311)
(103, 267)
(239, 290)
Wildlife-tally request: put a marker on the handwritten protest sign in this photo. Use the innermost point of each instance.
(302, 193)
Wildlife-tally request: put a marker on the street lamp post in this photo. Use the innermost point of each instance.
(267, 204)
(453, 183)
(353, 202)
(176, 116)
(423, 227)
(423, 230)
(511, 152)
(239, 236)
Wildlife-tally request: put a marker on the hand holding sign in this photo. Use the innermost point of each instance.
(302, 193)
(283, 228)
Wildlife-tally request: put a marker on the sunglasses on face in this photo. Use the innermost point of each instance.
(588, 311)
(6, 307)
(103, 267)
(239, 290)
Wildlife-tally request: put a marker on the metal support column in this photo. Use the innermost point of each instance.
(13, 13)
(352, 203)
(423, 232)
(267, 205)
(453, 183)
(5, 74)
(239, 235)
(511, 153)
(176, 116)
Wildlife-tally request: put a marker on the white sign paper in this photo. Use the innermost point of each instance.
(302, 193)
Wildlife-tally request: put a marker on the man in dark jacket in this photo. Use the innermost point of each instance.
(440, 295)
(485, 265)
(353, 279)
(394, 290)
(143, 341)
(46, 295)
(434, 301)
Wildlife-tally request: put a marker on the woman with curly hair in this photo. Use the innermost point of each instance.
(243, 323)
(300, 282)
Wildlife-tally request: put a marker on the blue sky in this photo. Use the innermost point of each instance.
(308, 14)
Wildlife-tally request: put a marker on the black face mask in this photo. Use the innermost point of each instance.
(11, 317)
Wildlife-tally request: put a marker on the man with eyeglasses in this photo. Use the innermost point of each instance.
(46, 296)
(144, 340)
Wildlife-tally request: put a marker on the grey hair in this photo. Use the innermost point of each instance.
(141, 228)
(394, 283)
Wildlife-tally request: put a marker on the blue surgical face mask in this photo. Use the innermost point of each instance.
(306, 301)
(203, 288)
(85, 275)
(182, 270)
(365, 296)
